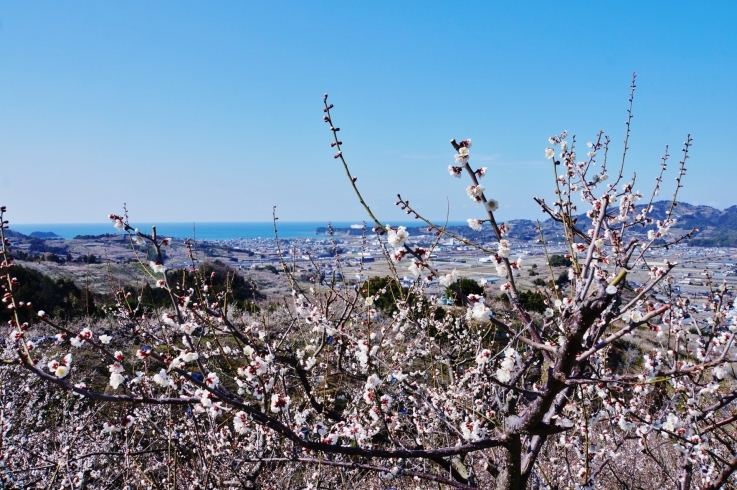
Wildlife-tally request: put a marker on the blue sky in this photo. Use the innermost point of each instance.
(211, 111)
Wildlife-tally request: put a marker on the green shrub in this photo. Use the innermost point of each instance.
(466, 286)
(559, 261)
(59, 298)
(216, 275)
(532, 301)
(387, 300)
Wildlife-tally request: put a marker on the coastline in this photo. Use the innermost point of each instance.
(199, 231)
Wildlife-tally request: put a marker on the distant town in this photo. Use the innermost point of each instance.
(345, 257)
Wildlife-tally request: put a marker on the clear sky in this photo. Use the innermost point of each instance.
(212, 111)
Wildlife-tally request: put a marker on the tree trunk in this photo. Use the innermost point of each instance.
(510, 472)
(685, 474)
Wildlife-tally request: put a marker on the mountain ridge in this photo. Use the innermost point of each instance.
(716, 228)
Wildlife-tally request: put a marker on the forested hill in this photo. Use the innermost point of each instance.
(14, 234)
(717, 228)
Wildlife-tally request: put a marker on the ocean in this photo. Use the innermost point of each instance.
(200, 231)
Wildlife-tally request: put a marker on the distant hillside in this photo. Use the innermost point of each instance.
(96, 237)
(44, 234)
(694, 216)
(14, 234)
(716, 228)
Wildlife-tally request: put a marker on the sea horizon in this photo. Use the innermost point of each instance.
(204, 230)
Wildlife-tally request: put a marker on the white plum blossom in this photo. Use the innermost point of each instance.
(156, 267)
(504, 373)
(563, 304)
(163, 379)
(116, 367)
(480, 311)
(672, 423)
(503, 250)
(635, 316)
(279, 403)
(475, 298)
(212, 380)
(625, 425)
(492, 205)
(396, 238)
(362, 353)
(216, 409)
(108, 428)
(455, 171)
(240, 423)
(414, 269)
(144, 352)
(447, 279)
(386, 401)
(549, 153)
(76, 341)
(189, 356)
(483, 357)
(302, 306)
(61, 371)
(105, 339)
(373, 381)
(168, 319)
(116, 379)
(462, 155)
(474, 192)
(501, 269)
(473, 431)
(330, 439)
(475, 224)
(369, 394)
(397, 255)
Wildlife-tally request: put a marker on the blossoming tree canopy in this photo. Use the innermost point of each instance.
(329, 392)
